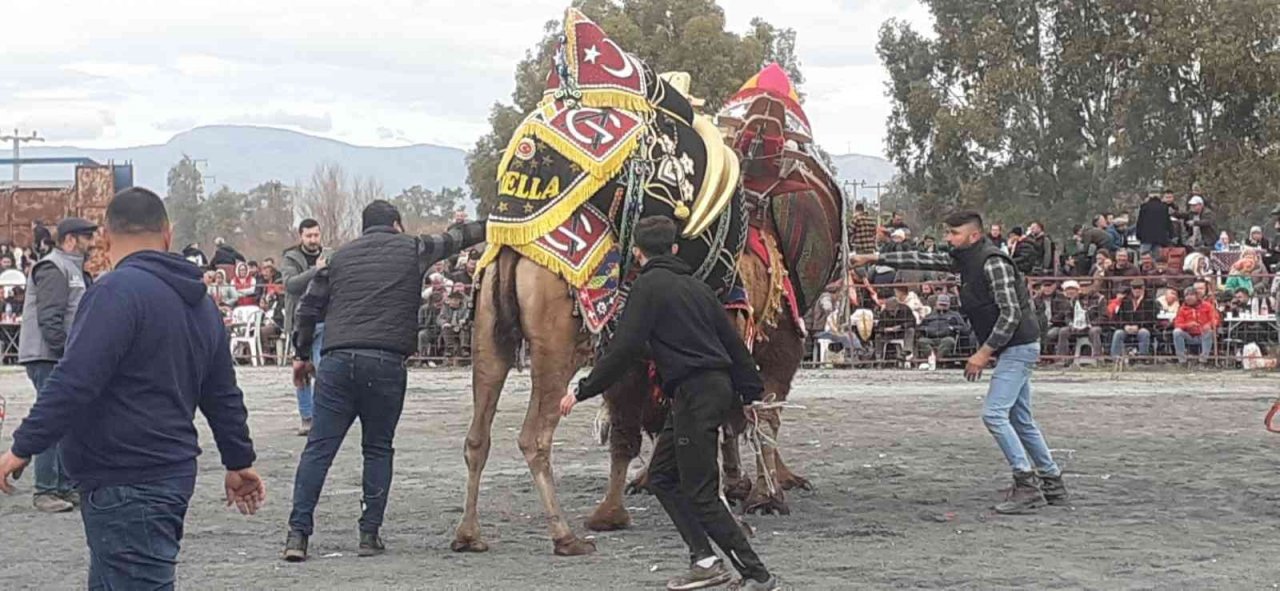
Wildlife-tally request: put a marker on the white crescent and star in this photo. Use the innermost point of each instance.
(592, 56)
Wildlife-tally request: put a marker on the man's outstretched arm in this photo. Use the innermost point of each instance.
(925, 261)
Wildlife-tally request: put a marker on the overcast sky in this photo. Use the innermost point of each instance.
(370, 72)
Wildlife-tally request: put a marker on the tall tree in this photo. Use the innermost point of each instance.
(269, 221)
(427, 211)
(186, 191)
(669, 35)
(222, 215)
(1035, 108)
(336, 200)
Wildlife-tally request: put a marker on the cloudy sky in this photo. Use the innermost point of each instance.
(371, 72)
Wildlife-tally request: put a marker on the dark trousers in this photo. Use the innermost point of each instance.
(367, 384)
(134, 533)
(51, 477)
(685, 473)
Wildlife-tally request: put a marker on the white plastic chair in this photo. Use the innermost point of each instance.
(246, 329)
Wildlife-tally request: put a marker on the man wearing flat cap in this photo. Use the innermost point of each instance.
(54, 289)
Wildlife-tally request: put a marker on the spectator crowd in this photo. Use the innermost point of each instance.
(1171, 286)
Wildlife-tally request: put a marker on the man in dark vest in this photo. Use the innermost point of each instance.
(54, 290)
(993, 295)
(368, 298)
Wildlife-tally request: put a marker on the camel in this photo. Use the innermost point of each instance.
(760, 119)
(609, 142)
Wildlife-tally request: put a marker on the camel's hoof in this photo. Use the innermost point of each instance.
(767, 505)
(574, 546)
(738, 491)
(795, 482)
(609, 519)
(469, 545)
(639, 486)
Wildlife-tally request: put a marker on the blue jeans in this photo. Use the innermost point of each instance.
(1180, 338)
(50, 476)
(352, 383)
(134, 533)
(1007, 411)
(1118, 339)
(306, 398)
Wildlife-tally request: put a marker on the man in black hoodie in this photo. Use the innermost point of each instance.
(707, 371)
(147, 349)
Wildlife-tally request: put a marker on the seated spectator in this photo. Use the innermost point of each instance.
(1042, 299)
(1076, 314)
(929, 244)
(272, 317)
(1240, 304)
(1169, 303)
(897, 242)
(1153, 271)
(1116, 274)
(428, 330)
(245, 286)
(1223, 243)
(1256, 241)
(455, 325)
(940, 330)
(7, 262)
(1197, 321)
(829, 327)
(908, 298)
(1241, 276)
(14, 299)
(895, 321)
(1134, 315)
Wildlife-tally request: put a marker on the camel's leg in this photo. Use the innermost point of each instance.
(489, 372)
(624, 402)
(779, 360)
(553, 335)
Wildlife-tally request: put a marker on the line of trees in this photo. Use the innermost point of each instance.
(261, 221)
(1061, 109)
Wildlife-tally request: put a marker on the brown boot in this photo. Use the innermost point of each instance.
(1025, 497)
(1054, 489)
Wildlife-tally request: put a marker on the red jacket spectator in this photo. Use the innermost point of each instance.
(1196, 319)
(245, 285)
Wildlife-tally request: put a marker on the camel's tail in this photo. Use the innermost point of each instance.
(507, 333)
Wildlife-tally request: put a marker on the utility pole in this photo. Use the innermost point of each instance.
(18, 140)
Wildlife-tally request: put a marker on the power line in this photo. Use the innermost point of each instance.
(18, 140)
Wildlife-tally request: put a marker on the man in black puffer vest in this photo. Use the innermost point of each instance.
(993, 295)
(368, 299)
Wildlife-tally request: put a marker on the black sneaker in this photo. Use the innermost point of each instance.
(1025, 497)
(1054, 489)
(370, 544)
(700, 578)
(295, 547)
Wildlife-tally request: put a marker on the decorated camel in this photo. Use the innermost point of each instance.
(609, 143)
(794, 215)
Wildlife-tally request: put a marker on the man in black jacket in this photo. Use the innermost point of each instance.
(1134, 313)
(368, 298)
(708, 372)
(1155, 226)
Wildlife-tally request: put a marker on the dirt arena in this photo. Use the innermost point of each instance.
(1174, 480)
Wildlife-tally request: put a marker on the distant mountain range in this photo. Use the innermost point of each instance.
(241, 157)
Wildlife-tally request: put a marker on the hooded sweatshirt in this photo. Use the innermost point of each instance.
(686, 328)
(146, 349)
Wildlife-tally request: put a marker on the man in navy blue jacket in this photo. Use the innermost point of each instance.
(146, 349)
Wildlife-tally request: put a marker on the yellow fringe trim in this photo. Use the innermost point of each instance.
(575, 277)
(517, 233)
(487, 258)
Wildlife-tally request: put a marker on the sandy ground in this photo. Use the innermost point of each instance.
(1175, 487)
